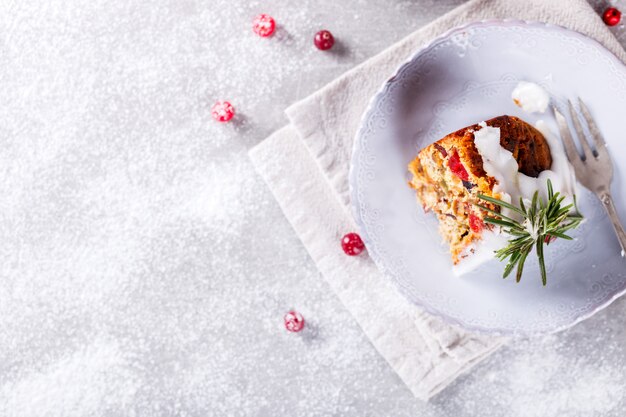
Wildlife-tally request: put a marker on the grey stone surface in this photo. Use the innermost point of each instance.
(146, 268)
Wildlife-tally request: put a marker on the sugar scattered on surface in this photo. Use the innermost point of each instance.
(146, 267)
(90, 380)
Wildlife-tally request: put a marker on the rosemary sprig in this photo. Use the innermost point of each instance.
(541, 223)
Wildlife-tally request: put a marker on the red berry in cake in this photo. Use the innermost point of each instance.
(222, 111)
(352, 244)
(457, 167)
(611, 16)
(294, 322)
(264, 25)
(324, 40)
(476, 223)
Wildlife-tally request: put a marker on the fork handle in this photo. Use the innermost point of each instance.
(609, 206)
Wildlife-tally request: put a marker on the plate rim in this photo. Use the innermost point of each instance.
(492, 331)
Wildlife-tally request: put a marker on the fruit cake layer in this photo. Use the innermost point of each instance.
(448, 175)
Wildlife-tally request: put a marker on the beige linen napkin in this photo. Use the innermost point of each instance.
(306, 166)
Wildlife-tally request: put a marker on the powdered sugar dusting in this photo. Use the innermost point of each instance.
(97, 377)
(566, 374)
(146, 268)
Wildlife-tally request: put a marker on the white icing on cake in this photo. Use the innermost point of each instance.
(531, 97)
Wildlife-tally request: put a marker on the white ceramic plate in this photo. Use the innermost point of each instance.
(461, 78)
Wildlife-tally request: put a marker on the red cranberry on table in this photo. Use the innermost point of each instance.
(352, 244)
(294, 322)
(611, 16)
(222, 111)
(264, 25)
(324, 40)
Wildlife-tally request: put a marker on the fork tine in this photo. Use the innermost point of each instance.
(566, 137)
(587, 152)
(593, 128)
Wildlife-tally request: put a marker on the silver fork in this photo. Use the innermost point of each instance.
(594, 169)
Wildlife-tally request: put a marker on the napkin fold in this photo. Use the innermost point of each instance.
(306, 165)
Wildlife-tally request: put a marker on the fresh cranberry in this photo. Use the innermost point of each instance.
(457, 167)
(352, 244)
(294, 322)
(222, 111)
(324, 40)
(611, 16)
(264, 25)
(476, 223)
